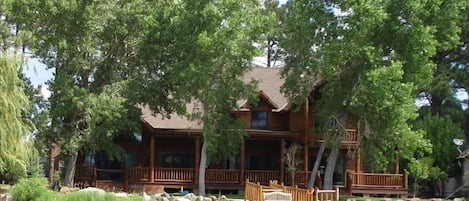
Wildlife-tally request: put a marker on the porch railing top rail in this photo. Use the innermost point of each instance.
(350, 137)
(378, 180)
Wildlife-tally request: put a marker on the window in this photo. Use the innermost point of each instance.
(176, 160)
(259, 119)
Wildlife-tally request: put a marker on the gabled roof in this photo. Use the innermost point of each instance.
(269, 83)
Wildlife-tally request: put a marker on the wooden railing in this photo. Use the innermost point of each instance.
(301, 178)
(262, 176)
(85, 172)
(174, 174)
(253, 191)
(377, 180)
(138, 174)
(220, 176)
(350, 137)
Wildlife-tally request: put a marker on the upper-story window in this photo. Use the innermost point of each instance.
(259, 119)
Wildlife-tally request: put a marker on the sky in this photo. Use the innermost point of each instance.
(38, 74)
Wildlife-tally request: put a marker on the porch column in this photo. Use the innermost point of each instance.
(358, 166)
(241, 162)
(306, 142)
(197, 160)
(282, 161)
(358, 162)
(152, 157)
(396, 162)
(306, 163)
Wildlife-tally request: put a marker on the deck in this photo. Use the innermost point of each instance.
(357, 183)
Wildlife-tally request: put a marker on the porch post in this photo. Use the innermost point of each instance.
(282, 161)
(197, 160)
(306, 142)
(306, 163)
(396, 162)
(241, 162)
(152, 157)
(358, 162)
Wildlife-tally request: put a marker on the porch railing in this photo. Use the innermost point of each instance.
(301, 178)
(350, 137)
(377, 180)
(138, 173)
(222, 176)
(262, 176)
(85, 172)
(174, 174)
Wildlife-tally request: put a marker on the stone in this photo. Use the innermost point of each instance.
(190, 196)
(182, 199)
(120, 194)
(93, 190)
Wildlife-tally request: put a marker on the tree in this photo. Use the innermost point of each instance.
(92, 47)
(13, 101)
(374, 56)
(203, 50)
(292, 161)
(443, 117)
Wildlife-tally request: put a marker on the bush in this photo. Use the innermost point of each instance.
(80, 196)
(30, 189)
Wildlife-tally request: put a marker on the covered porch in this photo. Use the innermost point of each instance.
(357, 183)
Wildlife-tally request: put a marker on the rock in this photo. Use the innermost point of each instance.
(181, 199)
(165, 195)
(436, 199)
(6, 197)
(93, 190)
(386, 199)
(190, 196)
(66, 189)
(459, 199)
(145, 196)
(120, 194)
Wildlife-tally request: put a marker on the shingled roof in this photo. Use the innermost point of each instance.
(269, 83)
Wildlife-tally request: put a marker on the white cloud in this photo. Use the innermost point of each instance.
(45, 92)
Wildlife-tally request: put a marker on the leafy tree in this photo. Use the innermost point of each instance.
(441, 131)
(91, 46)
(14, 128)
(203, 48)
(443, 118)
(374, 56)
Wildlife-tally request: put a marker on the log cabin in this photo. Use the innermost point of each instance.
(167, 151)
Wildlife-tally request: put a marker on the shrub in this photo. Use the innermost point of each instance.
(80, 196)
(29, 189)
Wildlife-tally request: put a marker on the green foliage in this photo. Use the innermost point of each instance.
(30, 189)
(79, 196)
(374, 58)
(208, 45)
(13, 101)
(92, 48)
(441, 131)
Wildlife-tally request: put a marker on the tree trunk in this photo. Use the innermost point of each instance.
(332, 159)
(317, 162)
(70, 169)
(202, 165)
